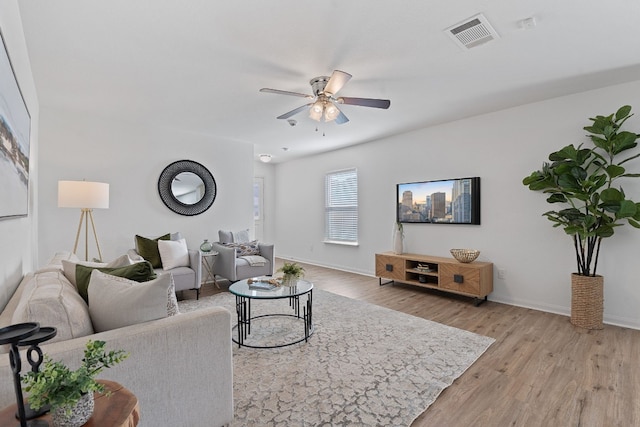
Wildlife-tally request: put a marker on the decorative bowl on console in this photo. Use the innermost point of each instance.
(465, 255)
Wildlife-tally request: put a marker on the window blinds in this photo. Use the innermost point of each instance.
(341, 206)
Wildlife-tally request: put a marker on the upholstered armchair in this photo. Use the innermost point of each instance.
(185, 265)
(238, 258)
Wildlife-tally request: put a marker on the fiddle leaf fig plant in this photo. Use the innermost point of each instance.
(581, 180)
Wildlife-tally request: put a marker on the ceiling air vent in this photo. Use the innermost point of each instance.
(472, 32)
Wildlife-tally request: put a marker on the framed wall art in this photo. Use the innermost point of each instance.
(15, 126)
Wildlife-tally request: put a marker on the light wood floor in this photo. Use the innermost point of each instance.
(541, 371)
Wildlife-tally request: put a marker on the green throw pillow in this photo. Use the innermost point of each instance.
(140, 272)
(148, 249)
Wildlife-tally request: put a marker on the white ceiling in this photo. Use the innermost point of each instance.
(198, 65)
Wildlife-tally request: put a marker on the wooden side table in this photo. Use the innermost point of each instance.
(208, 261)
(120, 409)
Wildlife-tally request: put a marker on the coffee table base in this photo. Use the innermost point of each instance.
(243, 327)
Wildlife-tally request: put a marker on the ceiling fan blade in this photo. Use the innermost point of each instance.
(294, 112)
(337, 80)
(286, 92)
(365, 102)
(341, 118)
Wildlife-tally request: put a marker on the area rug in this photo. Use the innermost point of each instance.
(364, 365)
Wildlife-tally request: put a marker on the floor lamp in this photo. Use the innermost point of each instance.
(86, 196)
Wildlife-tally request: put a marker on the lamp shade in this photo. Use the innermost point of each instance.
(83, 194)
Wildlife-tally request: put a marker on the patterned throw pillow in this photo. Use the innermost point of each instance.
(246, 248)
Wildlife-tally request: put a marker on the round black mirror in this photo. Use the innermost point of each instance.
(187, 188)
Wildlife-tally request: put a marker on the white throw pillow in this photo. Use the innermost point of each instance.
(117, 302)
(173, 253)
(69, 267)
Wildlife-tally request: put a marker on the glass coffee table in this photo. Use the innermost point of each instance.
(300, 299)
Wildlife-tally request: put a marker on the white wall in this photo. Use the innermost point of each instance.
(19, 236)
(130, 158)
(502, 148)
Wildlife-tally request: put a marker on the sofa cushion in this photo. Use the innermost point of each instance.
(50, 299)
(139, 272)
(57, 258)
(69, 267)
(55, 262)
(173, 253)
(119, 302)
(148, 249)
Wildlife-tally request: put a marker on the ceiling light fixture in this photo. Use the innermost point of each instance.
(315, 112)
(528, 23)
(324, 107)
(265, 158)
(331, 112)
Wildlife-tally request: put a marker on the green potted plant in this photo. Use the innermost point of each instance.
(581, 181)
(292, 272)
(64, 389)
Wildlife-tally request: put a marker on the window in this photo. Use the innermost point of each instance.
(341, 207)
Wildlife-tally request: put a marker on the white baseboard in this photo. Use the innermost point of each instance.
(613, 320)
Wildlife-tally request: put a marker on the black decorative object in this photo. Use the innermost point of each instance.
(44, 334)
(12, 335)
(170, 177)
(25, 334)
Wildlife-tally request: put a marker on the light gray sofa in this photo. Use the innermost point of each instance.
(187, 277)
(180, 367)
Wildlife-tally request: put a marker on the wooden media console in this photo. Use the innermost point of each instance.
(474, 279)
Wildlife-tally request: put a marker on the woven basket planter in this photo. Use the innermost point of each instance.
(587, 301)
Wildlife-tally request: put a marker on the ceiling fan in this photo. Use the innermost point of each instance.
(324, 98)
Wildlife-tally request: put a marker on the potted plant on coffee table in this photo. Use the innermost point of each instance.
(292, 272)
(581, 181)
(68, 392)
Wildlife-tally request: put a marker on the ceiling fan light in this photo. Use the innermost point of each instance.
(318, 107)
(315, 112)
(331, 112)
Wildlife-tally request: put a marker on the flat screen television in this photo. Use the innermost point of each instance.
(446, 201)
